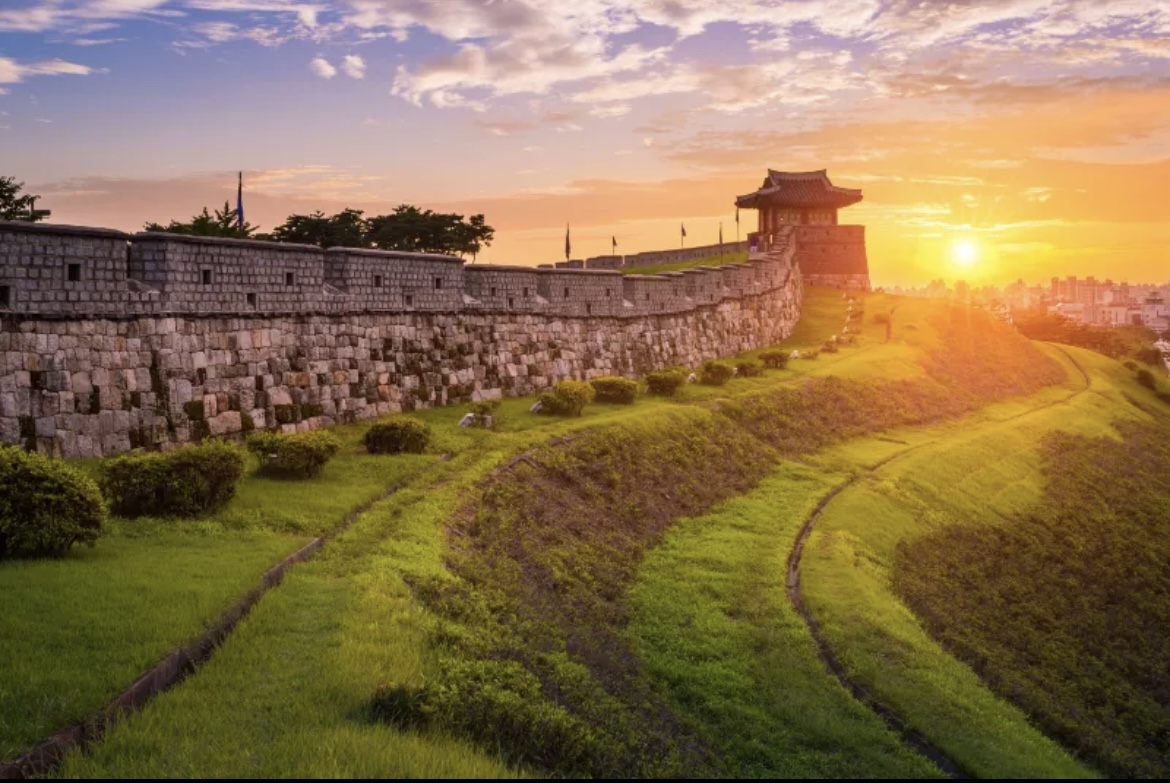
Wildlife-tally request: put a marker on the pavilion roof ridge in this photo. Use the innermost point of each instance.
(809, 189)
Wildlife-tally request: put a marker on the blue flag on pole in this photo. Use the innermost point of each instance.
(240, 204)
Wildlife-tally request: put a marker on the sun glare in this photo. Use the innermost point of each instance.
(964, 253)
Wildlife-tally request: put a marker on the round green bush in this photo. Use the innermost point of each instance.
(46, 506)
(611, 388)
(400, 435)
(749, 369)
(186, 482)
(715, 373)
(300, 454)
(567, 398)
(776, 360)
(664, 383)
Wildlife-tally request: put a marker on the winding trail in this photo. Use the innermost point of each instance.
(909, 735)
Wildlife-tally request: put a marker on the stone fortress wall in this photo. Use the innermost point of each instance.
(110, 342)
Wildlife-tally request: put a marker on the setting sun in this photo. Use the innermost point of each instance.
(964, 253)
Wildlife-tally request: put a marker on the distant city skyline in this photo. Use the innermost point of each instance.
(993, 141)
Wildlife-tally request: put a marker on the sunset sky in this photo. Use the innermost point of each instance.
(1037, 132)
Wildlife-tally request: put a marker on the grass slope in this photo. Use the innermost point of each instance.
(76, 631)
(719, 636)
(1066, 609)
(510, 606)
(983, 473)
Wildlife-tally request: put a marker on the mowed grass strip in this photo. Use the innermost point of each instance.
(76, 631)
(978, 474)
(719, 636)
(289, 694)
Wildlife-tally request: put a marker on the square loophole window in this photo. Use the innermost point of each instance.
(205, 276)
(290, 278)
(510, 303)
(5, 296)
(251, 300)
(377, 281)
(588, 309)
(73, 273)
(438, 283)
(493, 291)
(525, 293)
(566, 292)
(409, 300)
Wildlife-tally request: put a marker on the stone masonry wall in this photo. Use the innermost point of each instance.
(158, 364)
(833, 256)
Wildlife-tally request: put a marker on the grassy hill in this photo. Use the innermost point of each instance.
(613, 595)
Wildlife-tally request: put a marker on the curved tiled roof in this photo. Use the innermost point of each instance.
(804, 189)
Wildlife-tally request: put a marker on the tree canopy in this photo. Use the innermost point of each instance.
(407, 228)
(14, 206)
(221, 224)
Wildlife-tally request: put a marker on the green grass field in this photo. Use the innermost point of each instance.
(615, 597)
(714, 260)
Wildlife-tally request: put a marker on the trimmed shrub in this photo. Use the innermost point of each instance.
(567, 398)
(830, 346)
(1131, 366)
(400, 435)
(611, 388)
(1146, 378)
(298, 455)
(749, 369)
(715, 373)
(665, 383)
(774, 360)
(810, 354)
(186, 482)
(46, 505)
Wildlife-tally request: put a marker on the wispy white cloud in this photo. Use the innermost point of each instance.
(13, 72)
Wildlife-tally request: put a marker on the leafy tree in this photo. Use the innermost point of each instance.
(407, 228)
(14, 206)
(345, 229)
(416, 230)
(221, 224)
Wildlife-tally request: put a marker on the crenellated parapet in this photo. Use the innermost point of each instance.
(66, 271)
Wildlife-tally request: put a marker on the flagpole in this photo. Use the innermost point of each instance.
(240, 204)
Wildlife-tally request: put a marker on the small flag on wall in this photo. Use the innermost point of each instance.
(568, 246)
(737, 216)
(240, 203)
(614, 245)
(682, 230)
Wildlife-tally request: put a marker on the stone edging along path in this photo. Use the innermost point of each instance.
(180, 663)
(910, 736)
